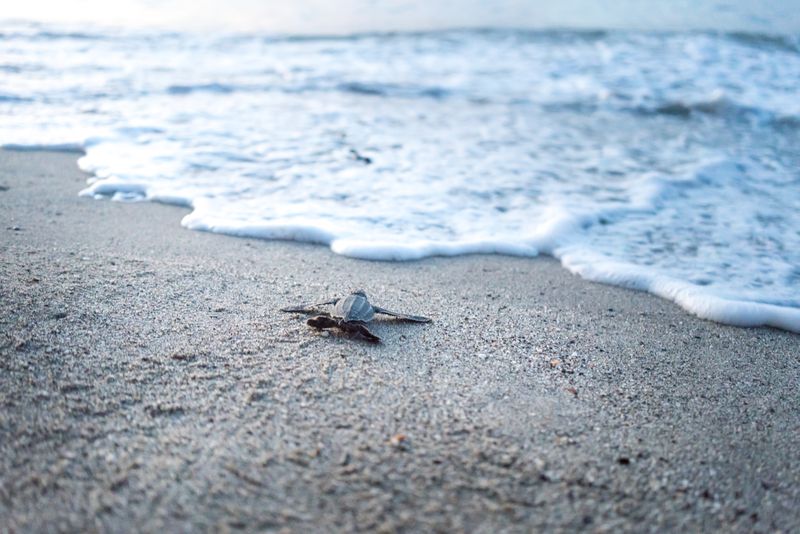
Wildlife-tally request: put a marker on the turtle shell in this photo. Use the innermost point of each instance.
(354, 307)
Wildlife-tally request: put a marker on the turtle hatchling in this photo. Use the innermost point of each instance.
(350, 314)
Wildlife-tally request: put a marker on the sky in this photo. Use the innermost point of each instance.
(354, 16)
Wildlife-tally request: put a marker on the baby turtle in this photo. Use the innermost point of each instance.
(350, 314)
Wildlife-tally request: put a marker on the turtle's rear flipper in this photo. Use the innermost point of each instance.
(307, 308)
(402, 316)
(365, 333)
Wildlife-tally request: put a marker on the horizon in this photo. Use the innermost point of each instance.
(315, 17)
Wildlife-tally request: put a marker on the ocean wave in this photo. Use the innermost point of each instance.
(5, 97)
(720, 106)
(12, 68)
(389, 89)
(205, 87)
(35, 32)
(353, 87)
(785, 43)
(695, 299)
(77, 148)
(26, 30)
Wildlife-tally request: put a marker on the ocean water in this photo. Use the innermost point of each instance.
(667, 161)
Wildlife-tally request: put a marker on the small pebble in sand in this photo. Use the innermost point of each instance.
(399, 441)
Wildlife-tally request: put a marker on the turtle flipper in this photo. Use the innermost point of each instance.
(360, 329)
(308, 308)
(364, 332)
(402, 316)
(321, 322)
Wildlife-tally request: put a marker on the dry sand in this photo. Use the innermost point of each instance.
(149, 383)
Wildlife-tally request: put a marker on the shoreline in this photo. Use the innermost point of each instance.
(149, 382)
(692, 299)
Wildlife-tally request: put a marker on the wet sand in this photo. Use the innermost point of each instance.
(149, 382)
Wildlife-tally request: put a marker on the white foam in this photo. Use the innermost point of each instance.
(703, 303)
(405, 251)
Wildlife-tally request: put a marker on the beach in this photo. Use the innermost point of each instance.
(150, 382)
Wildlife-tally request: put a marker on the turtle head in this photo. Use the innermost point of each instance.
(359, 292)
(321, 321)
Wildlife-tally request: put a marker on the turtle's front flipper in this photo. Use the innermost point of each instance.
(307, 308)
(402, 316)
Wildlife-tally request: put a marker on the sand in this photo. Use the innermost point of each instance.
(149, 382)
